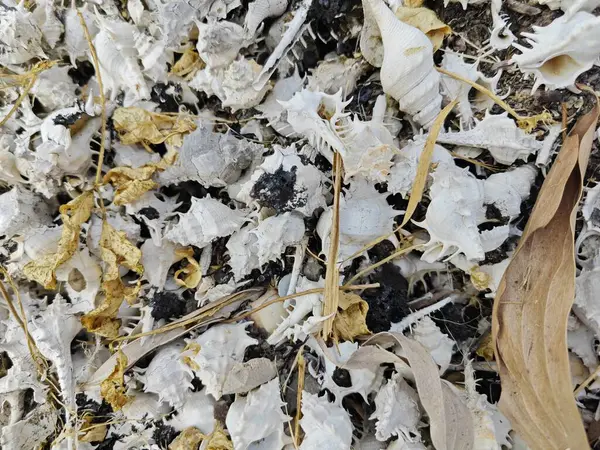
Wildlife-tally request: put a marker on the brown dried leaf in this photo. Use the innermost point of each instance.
(486, 348)
(73, 215)
(116, 251)
(113, 388)
(529, 322)
(91, 432)
(427, 21)
(189, 63)
(188, 439)
(138, 126)
(192, 273)
(351, 320)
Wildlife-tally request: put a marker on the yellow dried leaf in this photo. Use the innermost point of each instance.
(188, 439)
(113, 388)
(218, 439)
(532, 306)
(115, 251)
(73, 215)
(92, 432)
(192, 274)
(351, 320)
(425, 20)
(480, 279)
(138, 126)
(486, 347)
(189, 63)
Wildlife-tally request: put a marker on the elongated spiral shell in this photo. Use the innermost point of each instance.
(407, 72)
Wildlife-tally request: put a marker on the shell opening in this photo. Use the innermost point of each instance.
(76, 280)
(557, 68)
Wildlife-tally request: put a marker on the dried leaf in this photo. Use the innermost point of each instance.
(138, 126)
(73, 215)
(529, 322)
(189, 63)
(425, 161)
(192, 273)
(113, 388)
(92, 432)
(132, 183)
(486, 347)
(218, 439)
(425, 20)
(116, 251)
(188, 439)
(351, 320)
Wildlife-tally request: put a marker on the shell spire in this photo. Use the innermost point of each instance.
(407, 72)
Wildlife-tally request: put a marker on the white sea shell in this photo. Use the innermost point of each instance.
(397, 410)
(206, 220)
(21, 211)
(325, 425)
(335, 73)
(32, 431)
(219, 42)
(439, 345)
(256, 421)
(365, 215)
(168, 376)
(260, 10)
(581, 342)
(157, 260)
(233, 84)
(272, 109)
(54, 88)
(197, 411)
(307, 193)
(570, 7)
(452, 217)
(501, 37)
(315, 115)
(507, 190)
(165, 209)
(251, 247)
(555, 57)
(499, 135)
(221, 347)
(406, 161)
(53, 332)
(51, 27)
(586, 307)
(20, 37)
(74, 38)
(118, 58)
(82, 277)
(211, 159)
(407, 72)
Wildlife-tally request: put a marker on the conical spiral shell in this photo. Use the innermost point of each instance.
(407, 72)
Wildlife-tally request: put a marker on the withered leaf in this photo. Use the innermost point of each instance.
(529, 321)
(219, 440)
(190, 275)
(425, 20)
(138, 126)
(112, 388)
(115, 251)
(189, 63)
(350, 321)
(73, 215)
(188, 439)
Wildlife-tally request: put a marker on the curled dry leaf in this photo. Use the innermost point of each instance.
(138, 126)
(73, 215)
(116, 251)
(217, 440)
(529, 322)
(190, 275)
(189, 438)
(113, 388)
(350, 320)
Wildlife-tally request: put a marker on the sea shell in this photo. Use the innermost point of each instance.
(168, 376)
(499, 135)
(581, 342)
(219, 43)
(297, 186)
(325, 425)
(407, 72)
(20, 37)
(81, 276)
(256, 421)
(501, 37)
(206, 220)
(21, 211)
(586, 308)
(260, 10)
(54, 88)
(74, 38)
(455, 210)
(439, 345)
(336, 73)
(251, 247)
(220, 348)
(51, 27)
(555, 57)
(507, 190)
(273, 110)
(155, 211)
(197, 411)
(570, 7)
(397, 410)
(365, 215)
(211, 159)
(157, 260)
(32, 431)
